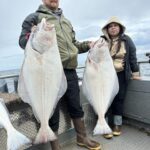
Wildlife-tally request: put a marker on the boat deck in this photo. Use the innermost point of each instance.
(135, 131)
(131, 139)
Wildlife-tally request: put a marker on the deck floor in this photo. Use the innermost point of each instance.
(131, 139)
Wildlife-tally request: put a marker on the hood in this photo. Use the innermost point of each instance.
(112, 20)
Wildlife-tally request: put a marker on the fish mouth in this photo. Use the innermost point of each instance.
(52, 26)
(99, 43)
(47, 26)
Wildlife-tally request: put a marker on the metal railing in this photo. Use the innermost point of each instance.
(9, 76)
(13, 75)
(144, 61)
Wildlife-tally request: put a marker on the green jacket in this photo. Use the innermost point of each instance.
(69, 47)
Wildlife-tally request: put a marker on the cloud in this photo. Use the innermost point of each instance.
(86, 10)
(87, 17)
(140, 32)
(12, 14)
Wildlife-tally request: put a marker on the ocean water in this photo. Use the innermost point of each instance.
(144, 67)
(11, 62)
(13, 59)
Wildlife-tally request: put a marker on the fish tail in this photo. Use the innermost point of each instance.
(102, 127)
(44, 135)
(16, 139)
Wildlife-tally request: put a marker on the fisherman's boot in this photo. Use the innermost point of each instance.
(55, 144)
(117, 130)
(117, 125)
(82, 138)
(108, 136)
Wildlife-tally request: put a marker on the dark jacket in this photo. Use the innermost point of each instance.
(69, 47)
(131, 65)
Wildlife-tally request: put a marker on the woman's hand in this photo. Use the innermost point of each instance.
(136, 76)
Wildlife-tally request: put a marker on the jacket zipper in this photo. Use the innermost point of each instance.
(69, 57)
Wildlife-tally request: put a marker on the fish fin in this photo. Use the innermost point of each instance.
(22, 91)
(44, 135)
(16, 139)
(3, 104)
(115, 89)
(102, 128)
(85, 90)
(1, 99)
(63, 87)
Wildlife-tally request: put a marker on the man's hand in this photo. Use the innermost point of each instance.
(91, 44)
(33, 28)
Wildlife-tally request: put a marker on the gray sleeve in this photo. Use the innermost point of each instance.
(29, 21)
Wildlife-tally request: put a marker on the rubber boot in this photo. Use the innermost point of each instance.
(82, 138)
(117, 130)
(55, 144)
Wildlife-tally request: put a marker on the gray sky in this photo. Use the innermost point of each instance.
(86, 16)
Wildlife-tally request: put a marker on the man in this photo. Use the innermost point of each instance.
(69, 48)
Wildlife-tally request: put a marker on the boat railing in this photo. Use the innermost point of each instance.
(9, 76)
(80, 69)
(144, 62)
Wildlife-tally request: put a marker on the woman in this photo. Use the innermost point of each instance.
(123, 52)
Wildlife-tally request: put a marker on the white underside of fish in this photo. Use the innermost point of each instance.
(100, 85)
(41, 84)
(15, 139)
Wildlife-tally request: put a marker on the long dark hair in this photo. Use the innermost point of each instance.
(118, 47)
(119, 40)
